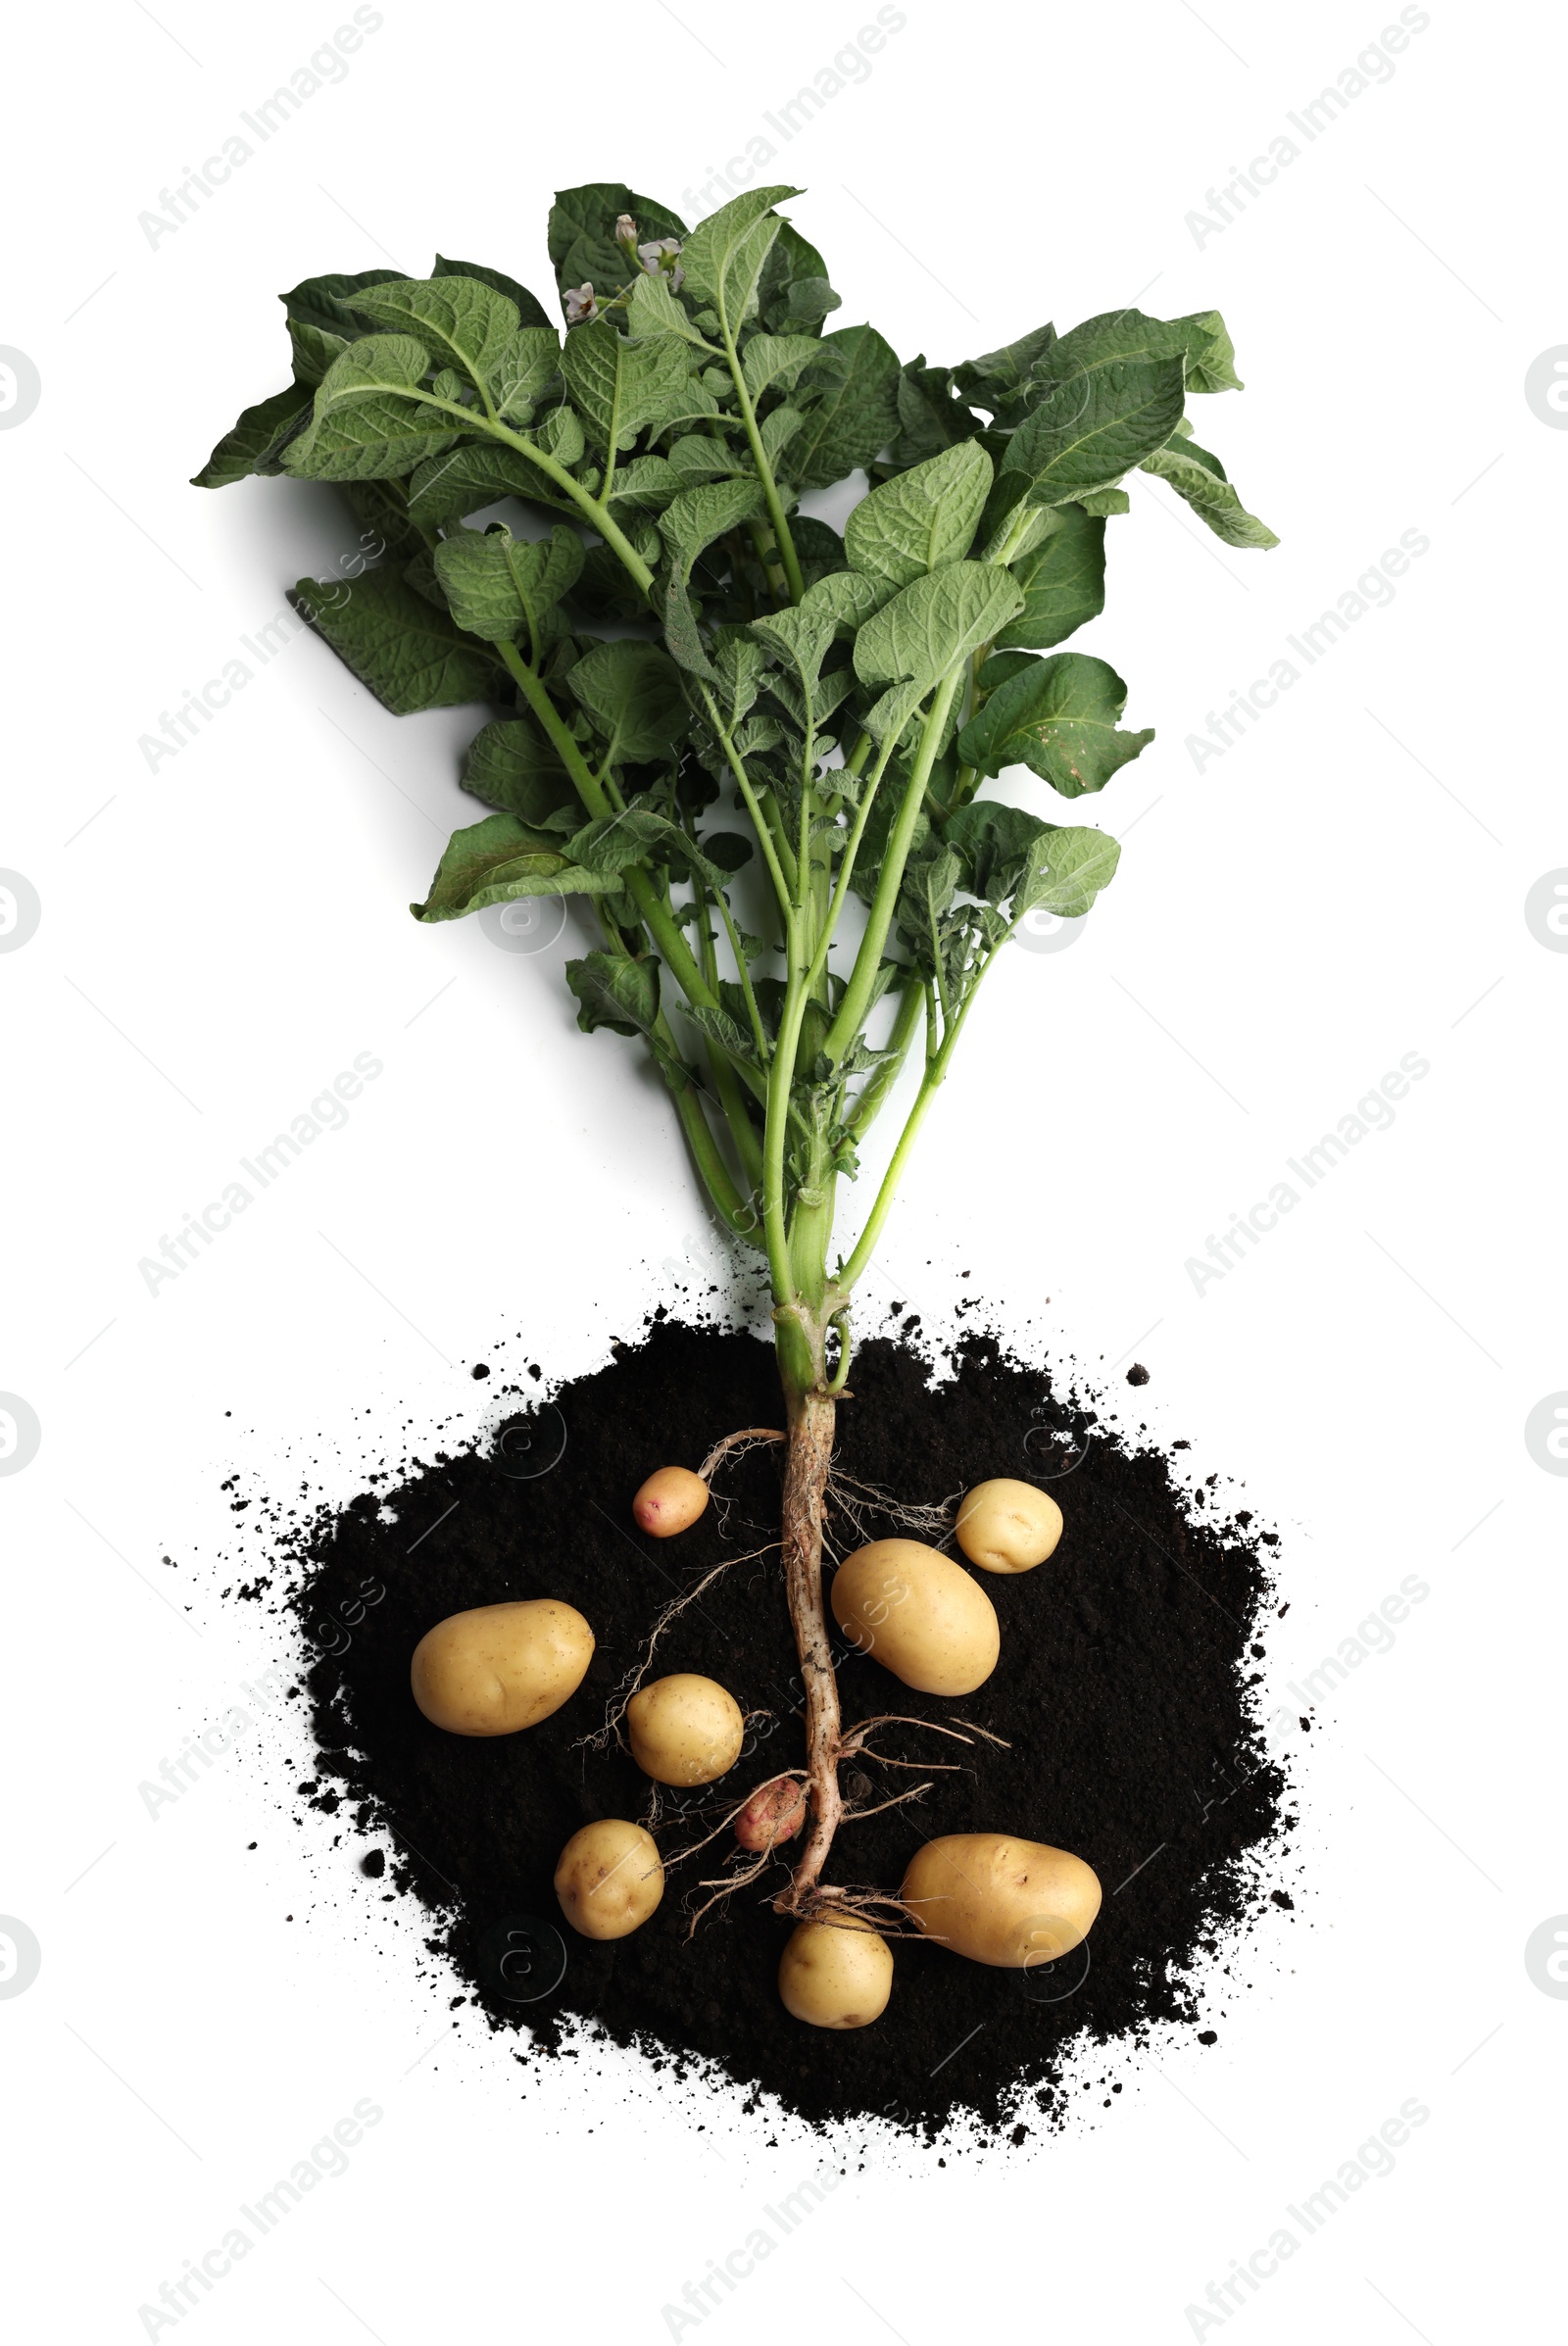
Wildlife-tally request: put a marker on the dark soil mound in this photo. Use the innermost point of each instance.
(1122, 1692)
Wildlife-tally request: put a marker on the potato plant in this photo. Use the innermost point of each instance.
(754, 749)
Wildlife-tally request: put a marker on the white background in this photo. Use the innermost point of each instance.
(219, 938)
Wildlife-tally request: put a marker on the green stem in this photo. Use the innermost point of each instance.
(872, 1098)
(758, 1030)
(772, 570)
(780, 1076)
(743, 783)
(845, 872)
(776, 832)
(592, 508)
(939, 1059)
(735, 1211)
(935, 1069)
(764, 470)
(890, 1183)
(857, 994)
(638, 885)
(726, 1083)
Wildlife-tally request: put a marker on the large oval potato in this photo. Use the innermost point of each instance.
(498, 1668)
(920, 1614)
(1005, 1526)
(609, 1878)
(836, 1974)
(1001, 1900)
(685, 1729)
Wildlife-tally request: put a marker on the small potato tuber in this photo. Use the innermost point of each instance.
(685, 1729)
(609, 1878)
(1008, 1527)
(774, 1813)
(669, 1501)
(836, 1974)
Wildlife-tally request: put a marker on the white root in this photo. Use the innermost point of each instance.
(749, 1437)
(915, 1792)
(861, 1503)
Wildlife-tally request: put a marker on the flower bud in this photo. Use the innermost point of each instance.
(627, 234)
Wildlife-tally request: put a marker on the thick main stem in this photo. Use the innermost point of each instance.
(811, 1414)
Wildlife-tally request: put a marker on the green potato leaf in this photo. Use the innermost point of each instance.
(648, 484)
(1063, 577)
(509, 764)
(369, 422)
(530, 311)
(497, 584)
(461, 322)
(314, 349)
(632, 691)
(616, 991)
(1086, 432)
(411, 655)
(257, 440)
(932, 415)
(688, 525)
(855, 412)
(934, 624)
(619, 387)
(495, 862)
(1200, 342)
(1058, 717)
(459, 482)
(653, 309)
(995, 842)
(1068, 867)
(1199, 479)
(921, 519)
(723, 256)
(327, 303)
(1001, 373)
(519, 371)
(803, 634)
(795, 295)
(774, 361)
(640, 835)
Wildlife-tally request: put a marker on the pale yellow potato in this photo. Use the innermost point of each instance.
(1000, 1899)
(1008, 1527)
(609, 1878)
(669, 1501)
(836, 1974)
(498, 1668)
(685, 1729)
(920, 1614)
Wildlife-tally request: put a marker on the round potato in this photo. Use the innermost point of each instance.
(685, 1729)
(669, 1501)
(1001, 1900)
(498, 1668)
(921, 1615)
(609, 1878)
(836, 1974)
(1008, 1527)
